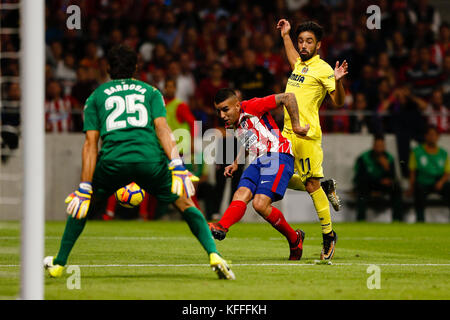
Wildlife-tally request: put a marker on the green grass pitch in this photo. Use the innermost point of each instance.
(162, 260)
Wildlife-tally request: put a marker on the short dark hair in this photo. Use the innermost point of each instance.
(122, 62)
(310, 26)
(378, 136)
(223, 94)
(171, 79)
(430, 127)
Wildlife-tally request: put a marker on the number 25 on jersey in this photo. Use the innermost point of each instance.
(130, 105)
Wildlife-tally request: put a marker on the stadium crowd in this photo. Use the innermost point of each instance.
(398, 73)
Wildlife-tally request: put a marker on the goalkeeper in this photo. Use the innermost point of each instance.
(137, 145)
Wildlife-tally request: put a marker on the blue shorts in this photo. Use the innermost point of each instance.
(269, 175)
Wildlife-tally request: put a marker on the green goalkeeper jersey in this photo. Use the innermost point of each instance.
(429, 167)
(123, 111)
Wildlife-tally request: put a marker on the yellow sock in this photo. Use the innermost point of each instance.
(296, 183)
(323, 209)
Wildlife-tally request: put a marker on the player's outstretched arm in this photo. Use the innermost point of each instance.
(285, 27)
(289, 101)
(338, 95)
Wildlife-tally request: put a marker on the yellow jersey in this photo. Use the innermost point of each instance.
(310, 82)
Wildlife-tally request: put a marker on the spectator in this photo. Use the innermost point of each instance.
(374, 177)
(442, 45)
(424, 76)
(446, 80)
(407, 122)
(422, 11)
(10, 119)
(160, 57)
(366, 84)
(384, 69)
(205, 94)
(402, 23)
(381, 105)
(169, 34)
(179, 115)
(339, 45)
(55, 54)
(397, 50)
(270, 59)
(132, 40)
(214, 11)
(429, 172)
(252, 80)
(58, 109)
(412, 61)
(189, 16)
(80, 92)
(185, 79)
(223, 54)
(90, 59)
(437, 112)
(66, 74)
(358, 56)
(148, 44)
(157, 78)
(361, 121)
(115, 38)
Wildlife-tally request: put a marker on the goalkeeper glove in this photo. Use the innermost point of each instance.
(79, 201)
(181, 179)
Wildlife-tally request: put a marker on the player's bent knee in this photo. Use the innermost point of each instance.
(261, 206)
(243, 194)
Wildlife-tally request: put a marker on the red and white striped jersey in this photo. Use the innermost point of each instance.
(58, 115)
(439, 117)
(256, 129)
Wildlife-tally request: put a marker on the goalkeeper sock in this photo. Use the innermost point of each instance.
(73, 229)
(296, 183)
(199, 227)
(233, 214)
(277, 220)
(323, 209)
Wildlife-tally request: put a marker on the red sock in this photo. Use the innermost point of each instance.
(277, 220)
(233, 214)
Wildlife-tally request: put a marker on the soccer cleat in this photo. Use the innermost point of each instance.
(329, 186)
(297, 247)
(221, 267)
(54, 270)
(218, 231)
(329, 244)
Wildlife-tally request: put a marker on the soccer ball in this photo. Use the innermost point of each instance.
(130, 196)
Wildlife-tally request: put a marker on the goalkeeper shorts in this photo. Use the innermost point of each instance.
(154, 178)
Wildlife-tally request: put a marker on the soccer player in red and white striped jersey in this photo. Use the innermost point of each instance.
(265, 180)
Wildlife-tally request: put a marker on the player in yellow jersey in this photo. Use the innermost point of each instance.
(311, 80)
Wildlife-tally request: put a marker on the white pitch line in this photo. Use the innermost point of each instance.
(246, 265)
